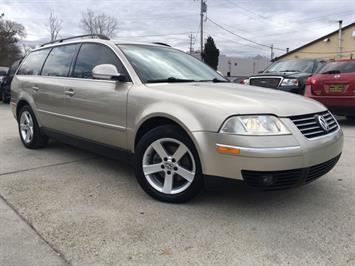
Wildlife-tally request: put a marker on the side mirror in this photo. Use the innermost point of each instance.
(107, 71)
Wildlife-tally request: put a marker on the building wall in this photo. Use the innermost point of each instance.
(242, 67)
(327, 49)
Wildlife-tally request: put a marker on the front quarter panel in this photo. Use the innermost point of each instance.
(144, 104)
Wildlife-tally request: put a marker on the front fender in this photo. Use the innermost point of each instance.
(174, 112)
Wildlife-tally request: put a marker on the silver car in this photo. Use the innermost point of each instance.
(181, 120)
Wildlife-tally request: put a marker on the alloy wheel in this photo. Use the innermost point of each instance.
(26, 127)
(169, 166)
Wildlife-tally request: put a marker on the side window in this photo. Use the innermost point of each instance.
(33, 63)
(58, 61)
(349, 67)
(91, 55)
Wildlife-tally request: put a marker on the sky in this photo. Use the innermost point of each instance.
(282, 23)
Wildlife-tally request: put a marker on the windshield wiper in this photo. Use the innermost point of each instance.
(170, 79)
(289, 70)
(215, 80)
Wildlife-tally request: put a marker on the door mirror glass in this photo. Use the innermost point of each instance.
(106, 71)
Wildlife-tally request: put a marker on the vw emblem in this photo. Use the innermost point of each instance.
(336, 76)
(323, 123)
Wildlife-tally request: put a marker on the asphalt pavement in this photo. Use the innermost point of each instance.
(64, 206)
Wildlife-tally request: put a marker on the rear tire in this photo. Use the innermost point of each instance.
(30, 133)
(167, 165)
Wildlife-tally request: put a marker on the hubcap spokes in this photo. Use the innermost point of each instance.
(26, 127)
(163, 169)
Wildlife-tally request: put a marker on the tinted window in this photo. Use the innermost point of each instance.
(13, 68)
(58, 61)
(33, 63)
(91, 55)
(338, 67)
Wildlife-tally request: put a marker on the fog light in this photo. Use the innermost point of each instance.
(267, 180)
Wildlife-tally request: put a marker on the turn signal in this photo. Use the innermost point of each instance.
(227, 150)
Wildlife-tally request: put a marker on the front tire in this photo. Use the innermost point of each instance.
(167, 165)
(30, 133)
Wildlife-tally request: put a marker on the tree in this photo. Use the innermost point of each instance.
(10, 34)
(98, 24)
(210, 53)
(55, 26)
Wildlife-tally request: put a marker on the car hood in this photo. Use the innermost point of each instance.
(283, 74)
(226, 99)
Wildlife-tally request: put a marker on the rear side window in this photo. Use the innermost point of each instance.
(338, 67)
(58, 61)
(91, 55)
(33, 63)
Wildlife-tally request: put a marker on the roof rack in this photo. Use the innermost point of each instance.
(161, 43)
(92, 36)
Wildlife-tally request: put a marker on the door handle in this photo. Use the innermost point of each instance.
(70, 92)
(35, 88)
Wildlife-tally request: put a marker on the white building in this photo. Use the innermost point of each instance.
(231, 66)
(241, 67)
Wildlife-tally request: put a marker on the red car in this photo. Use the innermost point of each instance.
(334, 86)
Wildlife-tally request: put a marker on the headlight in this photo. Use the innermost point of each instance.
(245, 82)
(289, 82)
(254, 125)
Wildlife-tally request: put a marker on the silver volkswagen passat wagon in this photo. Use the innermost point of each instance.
(179, 118)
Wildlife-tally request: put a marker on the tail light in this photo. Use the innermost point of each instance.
(310, 83)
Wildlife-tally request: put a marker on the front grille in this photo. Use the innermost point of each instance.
(310, 126)
(265, 82)
(288, 178)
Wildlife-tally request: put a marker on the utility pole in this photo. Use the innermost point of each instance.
(191, 42)
(203, 10)
(272, 52)
(339, 50)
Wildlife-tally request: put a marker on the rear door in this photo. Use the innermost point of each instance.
(336, 79)
(52, 84)
(96, 109)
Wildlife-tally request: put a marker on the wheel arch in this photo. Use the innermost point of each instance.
(27, 101)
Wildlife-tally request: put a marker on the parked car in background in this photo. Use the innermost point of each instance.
(334, 86)
(5, 85)
(178, 118)
(287, 75)
(3, 72)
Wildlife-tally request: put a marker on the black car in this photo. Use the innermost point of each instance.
(286, 75)
(5, 85)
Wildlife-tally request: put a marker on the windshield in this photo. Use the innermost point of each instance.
(338, 67)
(163, 64)
(302, 66)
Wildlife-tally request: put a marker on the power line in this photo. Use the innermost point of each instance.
(241, 37)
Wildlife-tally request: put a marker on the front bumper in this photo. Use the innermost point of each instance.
(266, 153)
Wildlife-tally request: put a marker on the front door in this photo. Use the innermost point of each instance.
(96, 109)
